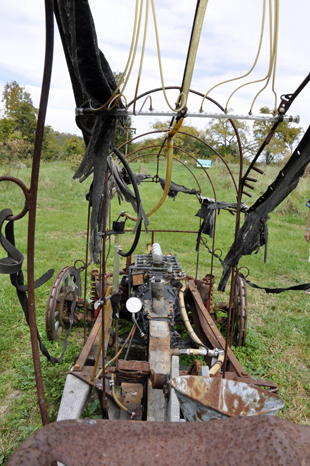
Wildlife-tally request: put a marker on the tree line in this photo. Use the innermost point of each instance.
(18, 126)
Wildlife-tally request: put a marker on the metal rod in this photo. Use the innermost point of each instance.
(220, 116)
(49, 45)
(85, 278)
(103, 274)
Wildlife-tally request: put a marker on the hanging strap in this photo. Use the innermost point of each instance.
(302, 287)
(12, 265)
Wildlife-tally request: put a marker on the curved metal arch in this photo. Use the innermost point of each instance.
(175, 158)
(158, 89)
(182, 150)
(26, 194)
(187, 134)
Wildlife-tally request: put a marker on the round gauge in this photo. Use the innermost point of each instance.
(133, 305)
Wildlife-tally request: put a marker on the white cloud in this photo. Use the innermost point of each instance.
(227, 49)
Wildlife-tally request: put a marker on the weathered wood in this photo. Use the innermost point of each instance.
(93, 338)
(210, 329)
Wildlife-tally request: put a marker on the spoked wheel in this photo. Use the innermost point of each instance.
(241, 307)
(66, 288)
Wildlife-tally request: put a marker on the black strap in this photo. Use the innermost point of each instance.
(302, 287)
(12, 265)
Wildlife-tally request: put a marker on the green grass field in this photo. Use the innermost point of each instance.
(278, 342)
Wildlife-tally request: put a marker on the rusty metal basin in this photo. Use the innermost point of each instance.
(205, 398)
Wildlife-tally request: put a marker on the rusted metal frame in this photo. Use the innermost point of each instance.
(210, 329)
(187, 134)
(175, 158)
(192, 156)
(49, 19)
(286, 102)
(216, 153)
(26, 194)
(234, 285)
(231, 306)
(85, 271)
(164, 231)
(103, 273)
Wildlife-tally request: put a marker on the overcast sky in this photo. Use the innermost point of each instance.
(227, 49)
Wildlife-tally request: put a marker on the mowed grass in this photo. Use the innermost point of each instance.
(277, 345)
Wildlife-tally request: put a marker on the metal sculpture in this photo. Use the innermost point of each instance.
(151, 294)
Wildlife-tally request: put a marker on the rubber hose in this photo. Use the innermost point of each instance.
(138, 199)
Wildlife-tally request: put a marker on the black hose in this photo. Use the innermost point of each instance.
(138, 200)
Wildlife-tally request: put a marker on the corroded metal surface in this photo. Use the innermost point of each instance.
(203, 399)
(255, 441)
(211, 330)
(159, 359)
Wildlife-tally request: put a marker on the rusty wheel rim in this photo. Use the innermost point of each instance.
(65, 289)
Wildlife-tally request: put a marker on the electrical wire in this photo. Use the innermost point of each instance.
(273, 48)
(182, 105)
(130, 60)
(142, 55)
(117, 355)
(250, 71)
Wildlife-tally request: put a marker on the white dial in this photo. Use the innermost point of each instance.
(133, 305)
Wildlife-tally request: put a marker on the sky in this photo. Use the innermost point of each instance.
(227, 49)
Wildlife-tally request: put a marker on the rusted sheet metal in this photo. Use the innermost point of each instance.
(211, 330)
(132, 398)
(205, 398)
(249, 380)
(159, 359)
(254, 440)
(132, 371)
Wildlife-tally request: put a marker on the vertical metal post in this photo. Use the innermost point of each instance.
(33, 204)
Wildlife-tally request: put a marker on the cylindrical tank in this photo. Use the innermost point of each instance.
(157, 255)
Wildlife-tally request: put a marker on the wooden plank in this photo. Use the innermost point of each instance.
(210, 329)
(94, 336)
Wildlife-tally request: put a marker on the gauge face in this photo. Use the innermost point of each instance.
(133, 305)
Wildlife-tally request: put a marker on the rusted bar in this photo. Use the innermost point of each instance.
(163, 231)
(210, 329)
(103, 275)
(242, 441)
(49, 44)
(85, 278)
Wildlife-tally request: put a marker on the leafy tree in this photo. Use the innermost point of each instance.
(220, 134)
(283, 142)
(19, 110)
(74, 146)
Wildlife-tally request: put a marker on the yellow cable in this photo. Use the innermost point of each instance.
(142, 55)
(276, 51)
(117, 355)
(273, 50)
(254, 64)
(135, 34)
(160, 67)
(167, 184)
